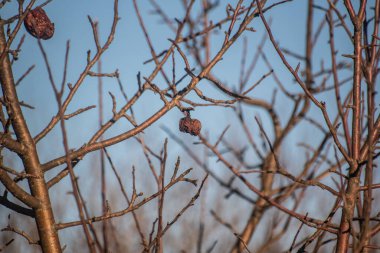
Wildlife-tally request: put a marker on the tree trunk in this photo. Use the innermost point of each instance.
(44, 217)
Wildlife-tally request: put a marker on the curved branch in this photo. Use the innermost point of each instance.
(9, 143)
(17, 191)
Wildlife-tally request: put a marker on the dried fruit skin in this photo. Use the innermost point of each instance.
(190, 126)
(195, 127)
(185, 124)
(38, 24)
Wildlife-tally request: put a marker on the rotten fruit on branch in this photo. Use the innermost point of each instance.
(189, 125)
(38, 24)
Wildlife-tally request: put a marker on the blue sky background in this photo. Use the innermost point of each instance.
(127, 54)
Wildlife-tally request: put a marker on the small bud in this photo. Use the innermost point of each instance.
(38, 24)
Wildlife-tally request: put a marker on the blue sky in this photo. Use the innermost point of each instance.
(127, 54)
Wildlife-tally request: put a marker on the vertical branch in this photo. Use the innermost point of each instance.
(341, 112)
(202, 218)
(73, 178)
(356, 131)
(135, 218)
(309, 43)
(370, 80)
(206, 38)
(367, 205)
(161, 186)
(353, 181)
(147, 38)
(102, 163)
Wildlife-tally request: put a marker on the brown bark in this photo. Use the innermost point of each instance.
(351, 192)
(44, 217)
(260, 207)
